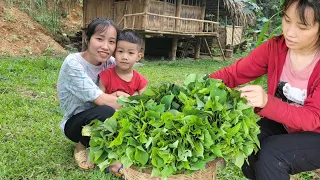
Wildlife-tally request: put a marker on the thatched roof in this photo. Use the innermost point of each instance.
(231, 9)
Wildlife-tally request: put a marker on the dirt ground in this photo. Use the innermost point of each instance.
(22, 36)
(73, 22)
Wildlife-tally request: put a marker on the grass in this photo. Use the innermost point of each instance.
(32, 146)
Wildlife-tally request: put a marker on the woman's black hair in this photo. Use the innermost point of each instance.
(301, 9)
(99, 24)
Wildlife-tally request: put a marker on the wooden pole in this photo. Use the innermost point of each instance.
(178, 12)
(203, 13)
(84, 37)
(255, 37)
(224, 58)
(226, 21)
(84, 29)
(209, 50)
(113, 11)
(197, 50)
(145, 16)
(225, 31)
(218, 11)
(143, 46)
(84, 12)
(133, 22)
(174, 48)
(232, 36)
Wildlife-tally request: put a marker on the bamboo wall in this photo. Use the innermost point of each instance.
(191, 12)
(236, 36)
(122, 8)
(96, 8)
(161, 23)
(225, 36)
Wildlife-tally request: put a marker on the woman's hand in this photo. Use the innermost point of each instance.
(255, 95)
(107, 99)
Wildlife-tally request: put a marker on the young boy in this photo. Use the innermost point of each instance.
(123, 79)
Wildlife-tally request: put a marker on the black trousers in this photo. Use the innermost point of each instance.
(282, 154)
(74, 125)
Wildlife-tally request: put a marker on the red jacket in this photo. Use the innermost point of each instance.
(269, 59)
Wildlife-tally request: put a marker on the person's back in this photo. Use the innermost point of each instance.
(123, 79)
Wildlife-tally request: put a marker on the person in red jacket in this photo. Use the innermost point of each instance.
(290, 109)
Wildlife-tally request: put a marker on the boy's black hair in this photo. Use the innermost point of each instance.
(130, 36)
(99, 24)
(301, 9)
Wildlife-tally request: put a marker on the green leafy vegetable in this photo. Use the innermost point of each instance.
(173, 129)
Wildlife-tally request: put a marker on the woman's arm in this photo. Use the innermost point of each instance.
(82, 86)
(301, 118)
(107, 99)
(306, 117)
(247, 68)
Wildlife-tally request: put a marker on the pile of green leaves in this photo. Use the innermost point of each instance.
(177, 129)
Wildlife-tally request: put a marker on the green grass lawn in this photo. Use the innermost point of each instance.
(32, 146)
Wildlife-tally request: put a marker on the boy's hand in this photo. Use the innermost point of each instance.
(255, 95)
(120, 93)
(135, 93)
(114, 94)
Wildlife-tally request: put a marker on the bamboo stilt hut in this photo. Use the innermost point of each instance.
(176, 19)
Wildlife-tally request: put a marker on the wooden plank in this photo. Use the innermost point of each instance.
(172, 17)
(203, 34)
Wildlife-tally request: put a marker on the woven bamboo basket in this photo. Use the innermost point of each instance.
(207, 174)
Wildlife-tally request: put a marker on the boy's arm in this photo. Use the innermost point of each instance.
(142, 84)
(136, 93)
(101, 86)
(139, 92)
